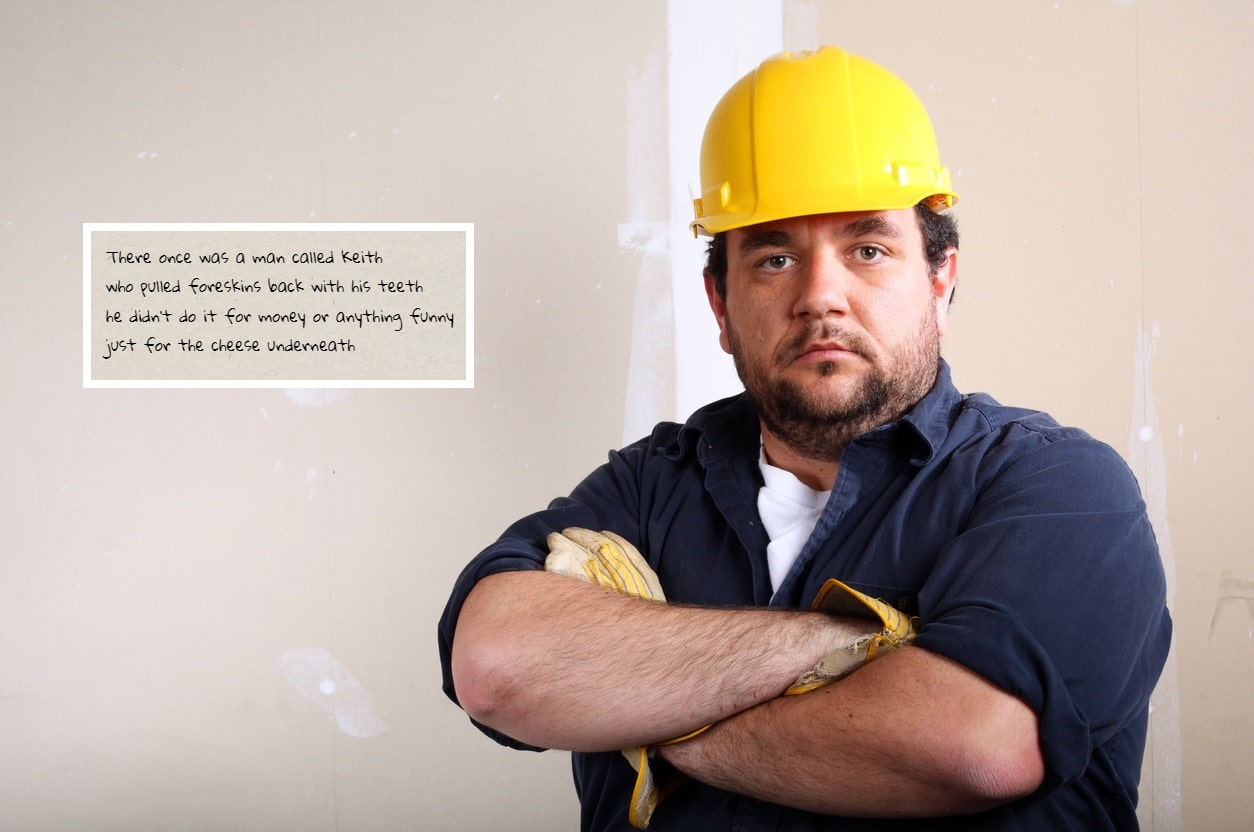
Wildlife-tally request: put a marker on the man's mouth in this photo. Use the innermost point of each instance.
(828, 346)
(825, 348)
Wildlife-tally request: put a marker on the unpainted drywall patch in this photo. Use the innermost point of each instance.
(319, 677)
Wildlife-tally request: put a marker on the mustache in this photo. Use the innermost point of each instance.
(820, 331)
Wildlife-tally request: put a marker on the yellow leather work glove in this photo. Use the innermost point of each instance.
(838, 598)
(602, 559)
(609, 561)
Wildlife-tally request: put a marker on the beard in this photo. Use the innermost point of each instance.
(817, 423)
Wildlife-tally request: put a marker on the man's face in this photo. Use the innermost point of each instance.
(834, 322)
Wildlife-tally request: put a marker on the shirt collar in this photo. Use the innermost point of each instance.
(723, 428)
(933, 415)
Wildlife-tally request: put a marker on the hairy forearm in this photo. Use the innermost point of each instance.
(910, 734)
(557, 663)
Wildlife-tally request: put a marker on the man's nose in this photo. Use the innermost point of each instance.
(824, 288)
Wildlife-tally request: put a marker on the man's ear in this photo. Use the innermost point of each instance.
(944, 282)
(718, 305)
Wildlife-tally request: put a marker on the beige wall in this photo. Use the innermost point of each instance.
(182, 572)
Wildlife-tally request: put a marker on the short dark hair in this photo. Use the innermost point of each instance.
(940, 233)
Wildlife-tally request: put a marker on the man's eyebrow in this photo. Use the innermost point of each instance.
(754, 241)
(872, 226)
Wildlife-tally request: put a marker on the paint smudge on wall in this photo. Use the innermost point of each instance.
(320, 678)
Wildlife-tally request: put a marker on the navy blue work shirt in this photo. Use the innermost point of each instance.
(1022, 546)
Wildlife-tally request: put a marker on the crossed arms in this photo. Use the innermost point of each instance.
(557, 663)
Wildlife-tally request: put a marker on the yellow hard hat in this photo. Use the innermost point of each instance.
(816, 133)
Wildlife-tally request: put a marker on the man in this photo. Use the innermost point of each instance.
(1013, 595)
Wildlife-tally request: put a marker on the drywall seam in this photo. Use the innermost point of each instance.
(1162, 765)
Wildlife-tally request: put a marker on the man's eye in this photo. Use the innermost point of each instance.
(868, 254)
(777, 261)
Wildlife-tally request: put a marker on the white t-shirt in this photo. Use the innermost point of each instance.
(789, 509)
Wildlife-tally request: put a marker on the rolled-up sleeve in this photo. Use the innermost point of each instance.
(1055, 592)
